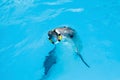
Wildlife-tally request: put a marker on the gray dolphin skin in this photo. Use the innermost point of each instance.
(55, 36)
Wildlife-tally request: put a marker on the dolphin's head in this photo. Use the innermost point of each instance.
(54, 37)
(57, 34)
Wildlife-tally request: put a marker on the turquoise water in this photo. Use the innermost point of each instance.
(23, 37)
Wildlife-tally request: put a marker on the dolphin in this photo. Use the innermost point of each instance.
(58, 36)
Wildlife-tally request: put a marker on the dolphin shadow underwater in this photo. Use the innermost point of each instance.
(64, 39)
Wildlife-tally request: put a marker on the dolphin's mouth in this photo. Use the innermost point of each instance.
(54, 37)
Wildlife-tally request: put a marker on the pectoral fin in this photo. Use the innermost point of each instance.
(80, 56)
(50, 60)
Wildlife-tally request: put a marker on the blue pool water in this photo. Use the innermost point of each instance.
(23, 37)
